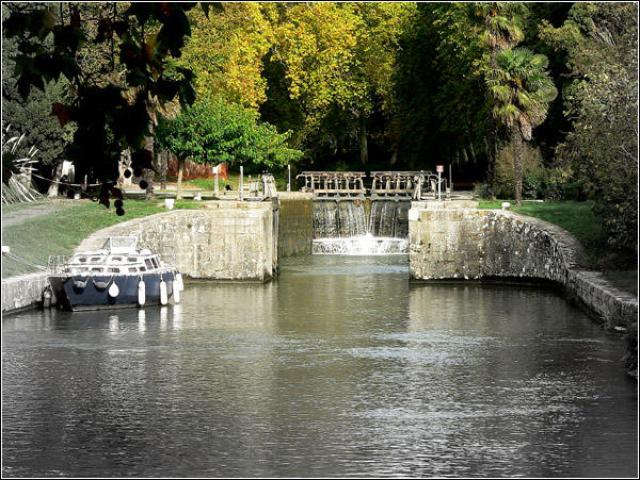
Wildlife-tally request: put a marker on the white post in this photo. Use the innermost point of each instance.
(289, 180)
(439, 186)
(450, 180)
(215, 186)
(241, 187)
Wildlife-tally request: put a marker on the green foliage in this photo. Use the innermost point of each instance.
(216, 131)
(600, 43)
(538, 181)
(521, 89)
(112, 114)
(31, 117)
(443, 111)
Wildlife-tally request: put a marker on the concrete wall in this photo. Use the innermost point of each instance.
(23, 291)
(464, 243)
(295, 232)
(224, 240)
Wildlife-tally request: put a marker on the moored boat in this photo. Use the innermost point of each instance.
(115, 276)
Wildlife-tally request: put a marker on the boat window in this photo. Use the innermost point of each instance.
(116, 259)
(155, 262)
(114, 270)
(148, 263)
(95, 259)
(133, 269)
(142, 269)
(96, 269)
(82, 259)
(132, 259)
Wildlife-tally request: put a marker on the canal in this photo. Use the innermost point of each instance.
(341, 367)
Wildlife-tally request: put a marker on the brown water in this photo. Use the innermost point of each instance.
(340, 368)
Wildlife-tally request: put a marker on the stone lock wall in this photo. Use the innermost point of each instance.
(467, 243)
(222, 241)
(23, 291)
(295, 224)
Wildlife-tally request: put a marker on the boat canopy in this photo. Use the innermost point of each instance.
(121, 244)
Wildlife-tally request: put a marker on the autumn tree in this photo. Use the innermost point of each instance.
(338, 61)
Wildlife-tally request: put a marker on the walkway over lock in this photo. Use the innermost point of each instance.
(416, 185)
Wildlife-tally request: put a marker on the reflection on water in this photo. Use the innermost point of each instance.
(341, 367)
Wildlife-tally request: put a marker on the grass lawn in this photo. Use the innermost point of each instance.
(234, 181)
(57, 232)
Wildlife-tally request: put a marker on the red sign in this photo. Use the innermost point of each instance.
(439, 168)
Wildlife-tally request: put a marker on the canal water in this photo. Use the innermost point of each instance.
(341, 367)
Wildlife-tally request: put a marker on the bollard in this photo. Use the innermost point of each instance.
(241, 188)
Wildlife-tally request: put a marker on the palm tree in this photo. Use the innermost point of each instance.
(522, 90)
(503, 28)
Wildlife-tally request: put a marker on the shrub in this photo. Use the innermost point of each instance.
(482, 190)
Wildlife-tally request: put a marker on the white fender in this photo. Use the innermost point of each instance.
(176, 291)
(163, 293)
(114, 291)
(141, 293)
(179, 282)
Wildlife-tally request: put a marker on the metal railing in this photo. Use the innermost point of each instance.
(415, 185)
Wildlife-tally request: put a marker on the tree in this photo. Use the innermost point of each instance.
(115, 113)
(226, 49)
(31, 116)
(503, 24)
(521, 89)
(600, 43)
(216, 131)
(338, 60)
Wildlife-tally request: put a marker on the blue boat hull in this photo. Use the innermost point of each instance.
(92, 297)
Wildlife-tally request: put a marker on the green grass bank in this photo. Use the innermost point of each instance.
(34, 231)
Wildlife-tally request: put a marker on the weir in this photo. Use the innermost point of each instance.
(359, 214)
(360, 226)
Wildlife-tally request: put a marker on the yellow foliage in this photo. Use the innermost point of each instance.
(226, 50)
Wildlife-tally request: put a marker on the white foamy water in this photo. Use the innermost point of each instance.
(360, 245)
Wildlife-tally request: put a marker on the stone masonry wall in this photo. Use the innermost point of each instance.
(222, 241)
(475, 244)
(295, 232)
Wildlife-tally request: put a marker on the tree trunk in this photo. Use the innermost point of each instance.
(180, 172)
(517, 146)
(491, 150)
(149, 174)
(54, 185)
(394, 155)
(164, 165)
(364, 147)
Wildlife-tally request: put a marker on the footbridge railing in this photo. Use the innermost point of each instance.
(416, 185)
(334, 183)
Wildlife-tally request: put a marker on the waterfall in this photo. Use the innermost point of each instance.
(360, 227)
